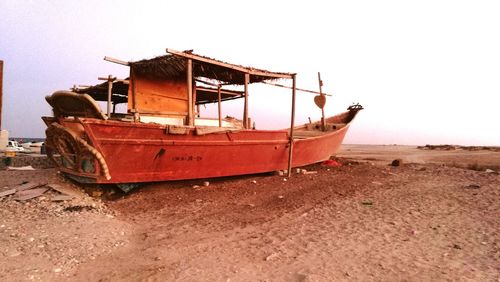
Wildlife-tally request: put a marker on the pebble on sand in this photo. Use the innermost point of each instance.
(397, 162)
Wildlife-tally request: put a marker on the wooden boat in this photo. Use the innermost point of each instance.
(162, 137)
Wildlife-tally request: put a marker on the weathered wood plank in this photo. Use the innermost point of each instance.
(67, 190)
(7, 192)
(29, 185)
(60, 198)
(29, 194)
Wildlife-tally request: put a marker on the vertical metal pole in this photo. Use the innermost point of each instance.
(323, 121)
(292, 122)
(245, 112)
(190, 90)
(110, 91)
(219, 105)
(1, 91)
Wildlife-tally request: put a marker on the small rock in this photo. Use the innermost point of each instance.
(489, 171)
(397, 162)
(254, 181)
(199, 200)
(206, 183)
(455, 246)
(376, 183)
(196, 186)
(472, 186)
(298, 170)
(271, 256)
(31, 239)
(14, 254)
(57, 270)
(281, 197)
(284, 179)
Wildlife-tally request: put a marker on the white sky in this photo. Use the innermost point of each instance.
(427, 72)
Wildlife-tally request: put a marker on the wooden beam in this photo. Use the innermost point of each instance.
(116, 61)
(223, 91)
(172, 113)
(219, 96)
(298, 89)
(189, 81)
(245, 110)
(207, 82)
(292, 122)
(134, 98)
(110, 92)
(195, 108)
(229, 66)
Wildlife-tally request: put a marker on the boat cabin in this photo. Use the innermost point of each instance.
(169, 90)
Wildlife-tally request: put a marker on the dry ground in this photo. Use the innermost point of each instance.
(366, 220)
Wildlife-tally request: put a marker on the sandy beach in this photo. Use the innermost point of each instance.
(435, 217)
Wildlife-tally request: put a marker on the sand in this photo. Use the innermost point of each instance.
(433, 218)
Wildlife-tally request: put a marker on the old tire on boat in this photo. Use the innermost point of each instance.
(76, 154)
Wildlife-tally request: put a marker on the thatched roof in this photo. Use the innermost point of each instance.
(100, 92)
(174, 67)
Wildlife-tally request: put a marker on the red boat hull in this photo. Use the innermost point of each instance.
(137, 152)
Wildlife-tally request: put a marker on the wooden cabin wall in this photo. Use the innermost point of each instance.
(158, 97)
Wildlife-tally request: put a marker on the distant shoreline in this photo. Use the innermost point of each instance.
(27, 139)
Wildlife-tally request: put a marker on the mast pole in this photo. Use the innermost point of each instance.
(292, 122)
(219, 98)
(190, 90)
(245, 111)
(323, 122)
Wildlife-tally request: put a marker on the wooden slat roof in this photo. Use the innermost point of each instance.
(173, 67)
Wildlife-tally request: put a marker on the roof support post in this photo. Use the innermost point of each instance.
(245, 111)
(110, 80)
(190, 91)
(292, 121)
(134, 96)
(110, 92)
(219, 97)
